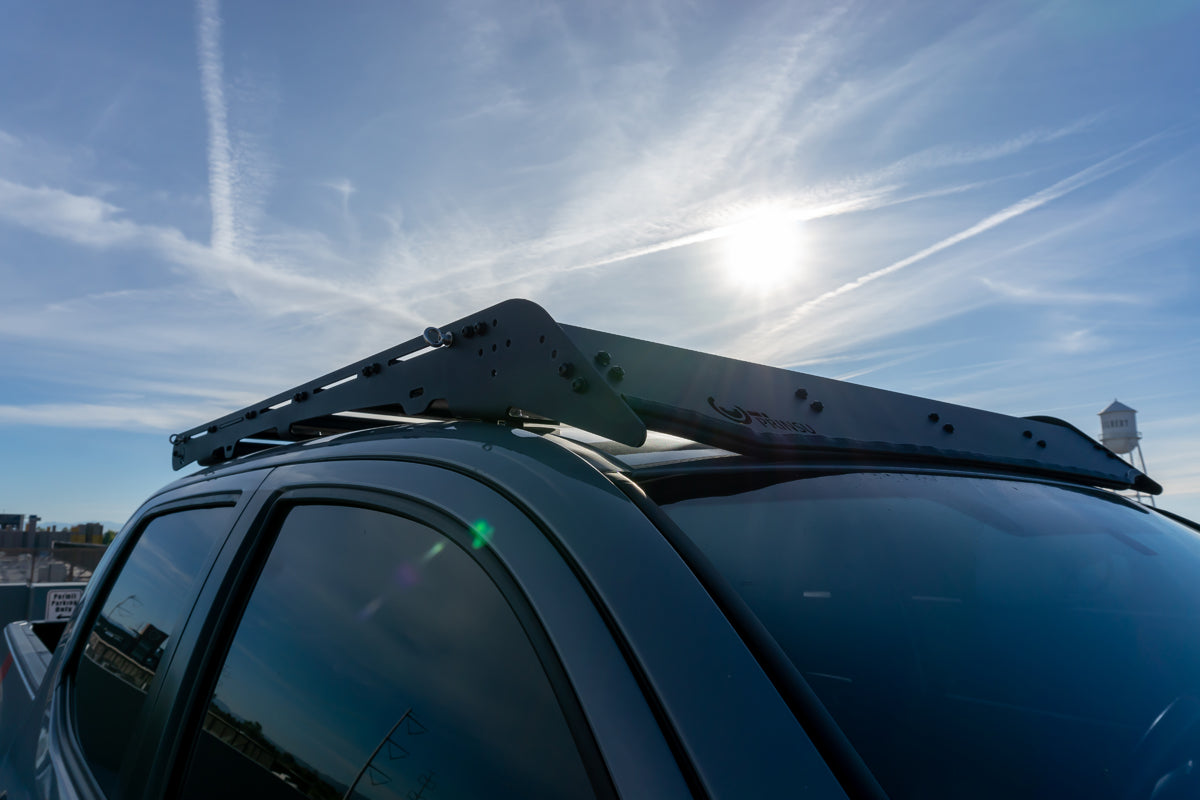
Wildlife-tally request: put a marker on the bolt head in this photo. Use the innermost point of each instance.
(467, 331)
(817, 406)
(603, 359)
(948, 428)
(802, 394)
(481, 328)
(616, 373)
(566, 369)
(579, 385)
(934, 417)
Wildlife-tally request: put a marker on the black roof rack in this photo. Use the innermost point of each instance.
(513, 362)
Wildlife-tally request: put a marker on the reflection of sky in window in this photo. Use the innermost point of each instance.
(162, 568)
(985, 612)
(360, 616)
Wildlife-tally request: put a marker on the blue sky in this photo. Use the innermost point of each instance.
(993, 204)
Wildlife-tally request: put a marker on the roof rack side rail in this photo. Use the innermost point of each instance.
(514, 359)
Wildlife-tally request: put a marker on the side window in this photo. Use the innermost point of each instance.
(376, 658)
(138, 616)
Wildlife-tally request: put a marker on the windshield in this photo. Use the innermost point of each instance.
(973, 637)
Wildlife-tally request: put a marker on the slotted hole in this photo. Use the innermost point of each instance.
(542, 339)
(508, 342)
(481, 352)
(417, 392)
(554, 354)
(493, 373)
(493, 348)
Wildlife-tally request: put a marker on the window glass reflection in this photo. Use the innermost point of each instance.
(376, 659)
(138, 617)
(972, 637)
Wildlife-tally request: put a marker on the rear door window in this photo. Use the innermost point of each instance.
(140, 615)
(377, 658)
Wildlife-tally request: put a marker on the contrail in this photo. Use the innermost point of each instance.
(221, 176)
(1033, 201)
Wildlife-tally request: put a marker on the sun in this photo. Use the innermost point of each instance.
(763, 252)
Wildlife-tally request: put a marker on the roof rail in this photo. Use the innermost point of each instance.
(513, 360)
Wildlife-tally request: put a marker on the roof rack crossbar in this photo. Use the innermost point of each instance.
(513, 359)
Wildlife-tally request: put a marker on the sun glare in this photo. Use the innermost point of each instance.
(763, 252)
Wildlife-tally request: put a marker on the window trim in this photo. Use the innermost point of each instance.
(251, 557)
(69, 748)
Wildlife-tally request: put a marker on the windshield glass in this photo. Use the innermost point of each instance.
(973, 637)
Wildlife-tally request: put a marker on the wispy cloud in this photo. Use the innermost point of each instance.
(1059, 189)
(221, 175)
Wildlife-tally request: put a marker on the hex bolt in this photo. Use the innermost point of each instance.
(251, 414)
(467, 331)
(566, 369)
(802, 394)
(212, 428)
(603, 359)
(948, 428)
(579, 385)
(934, 417)
(372, 369)
(1041, 443)
(615, 373)
(481, 328)
(1027, 434)
(299, 397)
(817, 406)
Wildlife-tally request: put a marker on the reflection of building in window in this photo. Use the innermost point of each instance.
(247, 738)
(132, 656)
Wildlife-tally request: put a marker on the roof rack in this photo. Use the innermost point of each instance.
(512, 362)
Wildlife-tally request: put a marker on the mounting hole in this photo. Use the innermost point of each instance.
(493, 373)
(508, 342)
(542, 339)
(554, 354)
(493, 348)
(495, 323)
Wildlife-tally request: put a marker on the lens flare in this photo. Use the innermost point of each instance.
(482, 534)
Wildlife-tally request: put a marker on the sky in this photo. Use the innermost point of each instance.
(993, 204)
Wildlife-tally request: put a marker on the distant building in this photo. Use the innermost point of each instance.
(12, 522)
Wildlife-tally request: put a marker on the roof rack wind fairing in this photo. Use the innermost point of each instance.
(513, 360)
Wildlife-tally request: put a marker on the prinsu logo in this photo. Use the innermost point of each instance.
(760, 418)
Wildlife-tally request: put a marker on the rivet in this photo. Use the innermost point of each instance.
(802, 394)
(603, 359)
(579, 385)
(615, 373)
(948, 428)
(817, 406)
(934, 417)
(251, 414)
(566, 369)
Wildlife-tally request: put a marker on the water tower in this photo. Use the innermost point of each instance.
(1119, 433)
